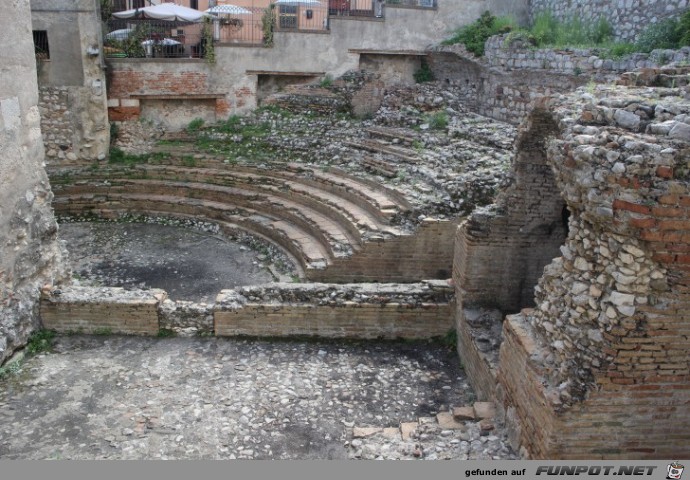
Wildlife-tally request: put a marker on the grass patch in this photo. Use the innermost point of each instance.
(326, 81)
(438, 120)
(119, 157)
(189, 161)
(195, 125)
(475, 35)
(166, 333)
(424, 74)
(40, 341)
(102, 331)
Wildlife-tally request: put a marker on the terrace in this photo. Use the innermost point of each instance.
(248, 23)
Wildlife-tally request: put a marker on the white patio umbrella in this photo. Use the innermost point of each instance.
(164, 11)
(228, 10)
(121, 34)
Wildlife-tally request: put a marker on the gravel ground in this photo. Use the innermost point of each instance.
(213, 398)
(188, 264)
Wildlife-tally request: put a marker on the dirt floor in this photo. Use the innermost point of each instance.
(96, 397)
(188, 264)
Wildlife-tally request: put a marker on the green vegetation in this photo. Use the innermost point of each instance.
(102, 331)
(40, 341)
(547, 31)
(209, 50)
(268, 21)
(326, 81)
(438, 120)
(166, 333)
(189, 161)
(450, 339)
(475, 35)
(195, 125)
(424, 74)
(117, 156)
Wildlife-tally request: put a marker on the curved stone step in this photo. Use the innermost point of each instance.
(327, 231)
(383, 147)
(301, 245)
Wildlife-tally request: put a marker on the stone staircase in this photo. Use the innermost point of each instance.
(316, 216)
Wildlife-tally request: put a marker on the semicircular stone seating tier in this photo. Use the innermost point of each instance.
(316, 216)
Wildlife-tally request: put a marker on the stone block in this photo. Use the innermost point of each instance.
(447, 422)
(406, 429)
(463, 413)
(363, 432)
(129, 103)
(484, 410)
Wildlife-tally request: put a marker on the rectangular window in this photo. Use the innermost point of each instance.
(194, 4)
(41, 45)
(287, 17)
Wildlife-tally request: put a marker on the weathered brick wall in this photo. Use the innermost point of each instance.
(157, 85)
(501, 250)
(601, 364)
(627, 17)
(90, 310)
(355, 311)
(428, 253)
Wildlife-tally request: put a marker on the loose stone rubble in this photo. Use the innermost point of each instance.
(193, 398)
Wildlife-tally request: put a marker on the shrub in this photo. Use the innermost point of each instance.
(549, 31)
(39, 341)
(684, 29)
(326, 81)
(438, 120)
(195, 125)
(618, 50)
(664, 34)
(475, 35)
(424, 74)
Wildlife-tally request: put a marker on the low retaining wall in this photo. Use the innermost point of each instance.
(101, 310)
(420, 310)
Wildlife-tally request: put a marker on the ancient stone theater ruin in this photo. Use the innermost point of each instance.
(534, 201)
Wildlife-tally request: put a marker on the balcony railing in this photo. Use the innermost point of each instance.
(153, 39)
(161, 39)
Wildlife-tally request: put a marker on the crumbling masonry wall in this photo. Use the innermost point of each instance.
(72, 93)
(419, 310)
(29, 251)
(500, 252)
(600, 367)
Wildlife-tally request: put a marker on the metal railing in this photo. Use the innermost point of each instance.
(413, 3)
(161, 39)
(153, 39)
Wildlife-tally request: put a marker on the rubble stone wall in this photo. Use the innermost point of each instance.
(501, 52)
(73, 100)
(30, 255)
(600, 367)
(330, 310)
(420, 310)
(494, 91)
(627, 17)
